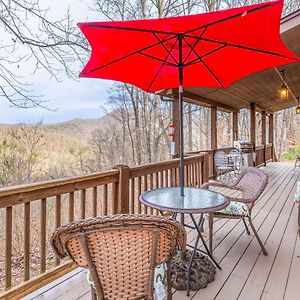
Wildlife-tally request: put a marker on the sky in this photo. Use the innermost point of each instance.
(68, 99)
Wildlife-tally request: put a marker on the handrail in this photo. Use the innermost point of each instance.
(34, 210)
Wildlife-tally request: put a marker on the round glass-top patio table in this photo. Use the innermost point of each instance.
(194, 201)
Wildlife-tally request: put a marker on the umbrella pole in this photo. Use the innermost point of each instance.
(181, 141)
(180, 98)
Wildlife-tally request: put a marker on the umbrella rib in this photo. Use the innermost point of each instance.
(132, 29)
(154, 78)
(246, 48)
(195, 44)
(196, 60)
(158, 59)
(228, 18)
(168, 51)
(206, 66)
(212, 73)
(126, 56)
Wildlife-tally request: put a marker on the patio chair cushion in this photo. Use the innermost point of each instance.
(235, 208)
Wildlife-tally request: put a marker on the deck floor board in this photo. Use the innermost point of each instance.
(246, 273)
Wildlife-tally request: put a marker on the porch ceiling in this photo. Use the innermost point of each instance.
(260, 88)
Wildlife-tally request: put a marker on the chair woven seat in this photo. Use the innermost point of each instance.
(121, 252)
(234, 208)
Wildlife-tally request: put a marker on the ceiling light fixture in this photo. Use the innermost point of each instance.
(298, 107)
(283, 91)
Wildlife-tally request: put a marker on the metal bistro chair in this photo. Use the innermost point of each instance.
(121, 252)
(223, 168)
(235, 160)
(251, 182)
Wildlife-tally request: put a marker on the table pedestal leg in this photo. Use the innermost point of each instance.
(192, 270)
(204, 243)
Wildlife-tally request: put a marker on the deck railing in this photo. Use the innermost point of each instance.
(211, 153)
(263, 154)
(30, 213)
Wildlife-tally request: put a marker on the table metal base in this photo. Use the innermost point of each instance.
(202, 271)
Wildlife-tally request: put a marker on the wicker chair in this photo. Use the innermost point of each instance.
(251, 182)
(121, 252)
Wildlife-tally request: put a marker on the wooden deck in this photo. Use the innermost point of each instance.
(246, 273)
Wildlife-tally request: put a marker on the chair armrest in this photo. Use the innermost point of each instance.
(215, 183)
(242, 200)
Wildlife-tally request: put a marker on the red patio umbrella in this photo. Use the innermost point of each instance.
(210, 50)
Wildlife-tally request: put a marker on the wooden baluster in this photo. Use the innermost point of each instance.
(192, 179)
(71, 207)
(8, 247)
(57, 219)
(115, 197)
(161, 179)
(151, 188)
(82, 204)
(177, 177)
(139, 193)
(197, 174)
(185, 175)
(200, 172)
(95, 193)
(173, 179)
(105, 199)
(26, 241)
(167, 178)
(156, 184)
(132, 196)
(43, 224)
(145, 188)
(194, 175)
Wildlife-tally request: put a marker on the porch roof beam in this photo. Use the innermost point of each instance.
(200, 100)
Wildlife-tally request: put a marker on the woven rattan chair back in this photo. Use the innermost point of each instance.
(252, 182)
(121, 251)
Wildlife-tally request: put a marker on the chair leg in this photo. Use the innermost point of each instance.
(169, 288)
(257, 237)
(247, 229)
(93, 293)
(210, 232)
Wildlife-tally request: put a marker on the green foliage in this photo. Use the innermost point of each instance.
(292, 154)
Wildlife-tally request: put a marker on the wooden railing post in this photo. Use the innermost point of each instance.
(271, 136)
(123, 189)
(205, 171)
(235, 126)
(253, 127)
(176, 123)
(263, 134)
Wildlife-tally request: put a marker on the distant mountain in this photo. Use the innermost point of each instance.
(80, 128)
(76, 128)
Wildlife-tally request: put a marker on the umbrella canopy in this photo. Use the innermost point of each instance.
(209, 50)
(217, 48)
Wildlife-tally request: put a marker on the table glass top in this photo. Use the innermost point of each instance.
(194, 200)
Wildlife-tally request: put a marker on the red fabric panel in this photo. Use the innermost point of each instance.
(235, 43)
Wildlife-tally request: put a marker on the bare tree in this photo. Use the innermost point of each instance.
(138, 112)
(28, 35)
(20, 152)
